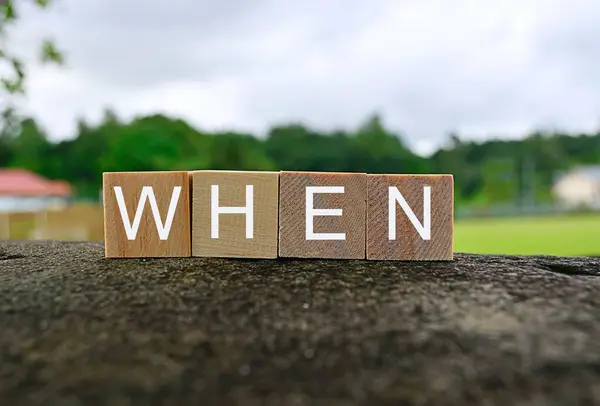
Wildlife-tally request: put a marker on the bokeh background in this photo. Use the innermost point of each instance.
(503, 95)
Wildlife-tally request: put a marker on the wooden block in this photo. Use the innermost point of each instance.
(146, 214)
(415, 239)
(322, 215)
(234, 214)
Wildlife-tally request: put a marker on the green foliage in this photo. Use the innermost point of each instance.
(155, 143)
(49, 53)
(372, 148)
(231, 151)
(495, 171)
(295, 147)
(31, 149)
(498, 179)
(381, 151)
(31, 142)
(13, 83)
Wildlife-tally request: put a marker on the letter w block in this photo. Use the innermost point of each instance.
(146, 214)
(410, 217)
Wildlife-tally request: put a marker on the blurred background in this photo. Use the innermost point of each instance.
(503, 95)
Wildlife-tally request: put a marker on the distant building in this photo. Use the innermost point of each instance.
(579, 187)
(22, 191)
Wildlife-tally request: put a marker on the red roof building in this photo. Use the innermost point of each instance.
(22, 183)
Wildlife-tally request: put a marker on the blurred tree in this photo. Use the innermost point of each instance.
(542, 159)
(80, 159)
(498, 179)
(156, 143)
(6, 133)
(295, 147)
(30, 148)
(232, 151)
(13, 81)
(458, 159)
(579, 148)
(377, 150)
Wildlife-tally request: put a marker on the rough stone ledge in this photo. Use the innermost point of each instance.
(79, 329)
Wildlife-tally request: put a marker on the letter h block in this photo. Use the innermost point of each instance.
(146, 214)
(322, 215)
(234, 214)
(410, 217)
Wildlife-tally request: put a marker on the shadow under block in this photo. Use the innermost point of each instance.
(411, 239)
(146, 214)
(221, 215)
(322, 215)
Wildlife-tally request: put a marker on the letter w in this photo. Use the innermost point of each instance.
(147, 193)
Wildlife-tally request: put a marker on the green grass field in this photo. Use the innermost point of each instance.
(573, 235)
(560, 235)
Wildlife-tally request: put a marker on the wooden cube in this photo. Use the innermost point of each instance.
(322, 215)
(234, 214)
(410, 217)
(146, 214)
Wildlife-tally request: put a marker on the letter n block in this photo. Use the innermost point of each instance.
(234, 214)
(322, 215)
(146, 214)
(410, 217)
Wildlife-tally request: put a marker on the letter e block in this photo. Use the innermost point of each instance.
(322, 215)
(146, 214)
(410, 217)
(234, 214)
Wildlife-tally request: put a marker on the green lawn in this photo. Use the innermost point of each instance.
(560, 235)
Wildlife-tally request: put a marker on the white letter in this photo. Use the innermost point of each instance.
(425, 229)
(311, 212)
(215, 210)
(147, 193)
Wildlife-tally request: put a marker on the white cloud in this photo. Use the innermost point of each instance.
(429, 66)
(213, 104)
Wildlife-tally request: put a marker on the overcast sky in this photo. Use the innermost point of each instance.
(479, 67)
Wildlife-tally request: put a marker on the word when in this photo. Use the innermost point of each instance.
(278, 214)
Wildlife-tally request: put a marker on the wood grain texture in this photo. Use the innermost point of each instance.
(147, 242)
(232, 241)
(409, 245)
(293, 211)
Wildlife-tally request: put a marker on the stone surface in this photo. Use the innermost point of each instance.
(80, 329)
